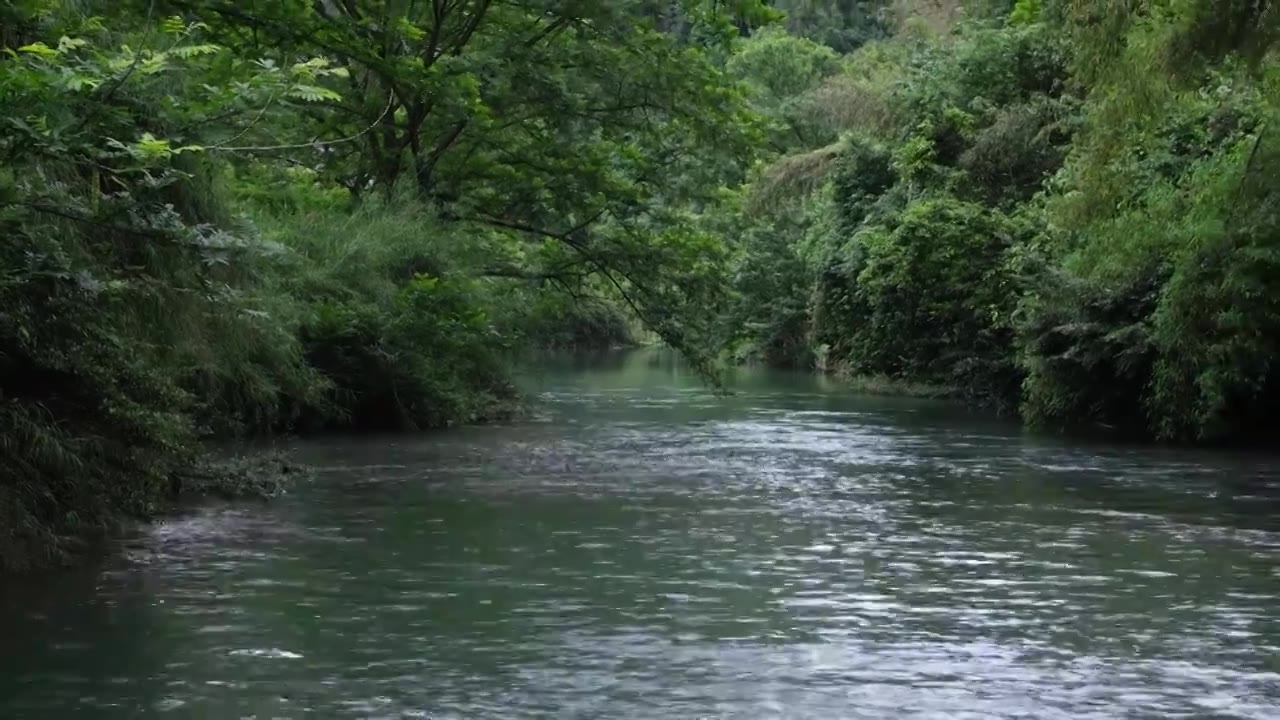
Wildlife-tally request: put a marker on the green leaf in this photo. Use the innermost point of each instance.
(66, 44)
(313, 93)
(409, 30)
(149, 146)
(190, 51)
(40, 49)
(154, 64)
(79, 81)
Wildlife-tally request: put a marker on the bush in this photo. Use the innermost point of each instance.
(124, 331)
(396, 325)
(559, 322)
(770, 311)
(1009, 160)
(1087, 350)
(1163, 317)
(427, 359)
(937, 298)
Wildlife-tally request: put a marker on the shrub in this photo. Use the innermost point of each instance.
(125, 329)
(392, 319)
(937, 297)
(770, 310)
(559, 322)
(1162, 318)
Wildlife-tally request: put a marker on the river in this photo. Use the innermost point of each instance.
(646, 548)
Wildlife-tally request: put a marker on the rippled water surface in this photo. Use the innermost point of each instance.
(646, 549)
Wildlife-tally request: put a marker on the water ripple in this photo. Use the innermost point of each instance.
(646, 549)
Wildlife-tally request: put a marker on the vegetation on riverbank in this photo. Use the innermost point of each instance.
(230, 219)
(234, 219)
(1063, 208)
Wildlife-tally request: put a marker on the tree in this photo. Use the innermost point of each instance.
(842, 25)
(781, 72)
(580, 123)
(484, 146)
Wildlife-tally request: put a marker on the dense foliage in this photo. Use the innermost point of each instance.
(236, 218)
(1063, 208)
(229, 219)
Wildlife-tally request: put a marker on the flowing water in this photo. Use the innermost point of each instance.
(644, 548)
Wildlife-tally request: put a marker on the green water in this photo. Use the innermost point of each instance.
(646, 549)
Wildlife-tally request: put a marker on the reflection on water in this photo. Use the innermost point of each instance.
(646, 548)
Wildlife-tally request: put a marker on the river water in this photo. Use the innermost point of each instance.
(644, 548)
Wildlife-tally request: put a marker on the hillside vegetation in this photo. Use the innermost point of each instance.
(1064, 209)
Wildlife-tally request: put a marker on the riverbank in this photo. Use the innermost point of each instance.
(881, 384)
(28, 546)
(320, 323)
(205, 240)
(1069, 217)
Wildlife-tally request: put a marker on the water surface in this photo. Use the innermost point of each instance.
(644, 548)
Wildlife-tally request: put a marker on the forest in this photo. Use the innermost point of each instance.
(229, 219)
